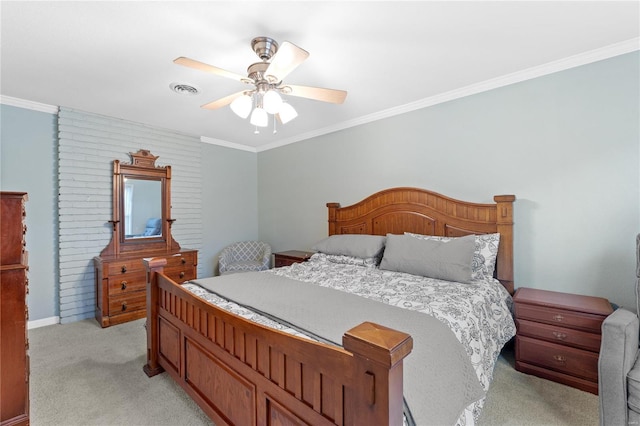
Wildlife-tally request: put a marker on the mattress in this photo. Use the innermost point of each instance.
(478, 313)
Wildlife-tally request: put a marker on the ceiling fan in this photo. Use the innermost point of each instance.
(267, 77)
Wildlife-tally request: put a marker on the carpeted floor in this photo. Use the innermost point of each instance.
(84, 375)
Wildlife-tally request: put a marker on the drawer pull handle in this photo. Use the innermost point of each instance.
(183, 260)
(123, 285)
(559, 336)
(124, 306)
(560, 359)
(124, 268)
(181, 274)
(558, 318)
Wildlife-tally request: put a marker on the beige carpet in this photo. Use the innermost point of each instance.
(84, 375)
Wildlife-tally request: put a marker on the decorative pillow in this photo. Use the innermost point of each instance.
(484, 256)
(369, 262)
(444, 260)
(356, 245)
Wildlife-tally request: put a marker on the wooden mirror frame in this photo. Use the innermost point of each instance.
(142, 167)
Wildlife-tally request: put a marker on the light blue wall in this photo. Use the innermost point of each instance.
(28, 163)
(229, 201)
(28, 143)
(567, 145)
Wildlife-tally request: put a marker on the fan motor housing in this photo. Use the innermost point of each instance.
(265, 47)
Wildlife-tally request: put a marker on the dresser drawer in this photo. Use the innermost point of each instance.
(183, 259)
(125, 265)
(576, 362)
(560, 317)
(127, 303)
(181, 274)
(127, 283)
(560, 335)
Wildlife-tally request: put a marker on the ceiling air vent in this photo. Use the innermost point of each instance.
(184, 89)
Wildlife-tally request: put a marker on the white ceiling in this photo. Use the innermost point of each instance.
(115, 58)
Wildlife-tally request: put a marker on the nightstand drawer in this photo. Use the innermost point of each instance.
(560, 317)
(575, 362)
(288, 258)
(560, 335)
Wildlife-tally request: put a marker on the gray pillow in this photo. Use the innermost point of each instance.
(444, 260)
(357, 245)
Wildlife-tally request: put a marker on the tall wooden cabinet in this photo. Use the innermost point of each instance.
(14, 359)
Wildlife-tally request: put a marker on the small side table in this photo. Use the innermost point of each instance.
(558, 336)
(286, 258)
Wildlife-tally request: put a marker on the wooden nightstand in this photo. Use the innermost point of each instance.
(286, 258)
(558, 336)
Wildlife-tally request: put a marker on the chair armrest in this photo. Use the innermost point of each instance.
(618, 352)
(266, 258)
(226, 257)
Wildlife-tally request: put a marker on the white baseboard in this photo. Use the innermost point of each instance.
(43, 322)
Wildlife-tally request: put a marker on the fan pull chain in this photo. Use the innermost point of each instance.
(275, 130)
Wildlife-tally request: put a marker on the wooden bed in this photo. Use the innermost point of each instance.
(244, 373)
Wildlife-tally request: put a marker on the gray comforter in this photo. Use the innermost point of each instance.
(439, 380)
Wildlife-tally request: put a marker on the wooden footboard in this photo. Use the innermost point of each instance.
(243, 373)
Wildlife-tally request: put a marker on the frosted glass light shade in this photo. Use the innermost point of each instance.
(272, 102)
(259, 117)
(241, 106)
(287, 113)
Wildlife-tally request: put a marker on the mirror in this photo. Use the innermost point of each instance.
(141, 208)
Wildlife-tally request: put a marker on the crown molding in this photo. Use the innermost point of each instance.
(214, 141)
(22, 103)
(585, 58)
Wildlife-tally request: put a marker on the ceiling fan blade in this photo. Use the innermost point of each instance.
(286, 59)
(192, 63)
(222, 101)
(317, 93)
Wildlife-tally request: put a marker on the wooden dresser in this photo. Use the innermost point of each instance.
(121, 284)
(286, 258)
(558, 336)
(141, 197)
(14, 358)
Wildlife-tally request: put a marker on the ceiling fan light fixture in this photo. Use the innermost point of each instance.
(259, 117)
(242, 106)
(287, 113)
(272, 102)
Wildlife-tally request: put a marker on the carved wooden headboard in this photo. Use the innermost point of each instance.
(399, 210)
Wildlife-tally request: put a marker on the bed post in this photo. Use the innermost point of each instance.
(332, 217)
(504, 225)
(153, 266)
(378, 353)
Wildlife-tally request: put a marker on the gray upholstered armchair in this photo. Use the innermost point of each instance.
(618, 365)
(245, 256)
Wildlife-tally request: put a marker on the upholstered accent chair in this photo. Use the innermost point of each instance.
(618, 365)
(245, 256)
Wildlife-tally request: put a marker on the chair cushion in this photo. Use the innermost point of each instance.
(633, 387)
(245, 265)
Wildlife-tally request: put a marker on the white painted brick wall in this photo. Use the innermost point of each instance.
(88, 144)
